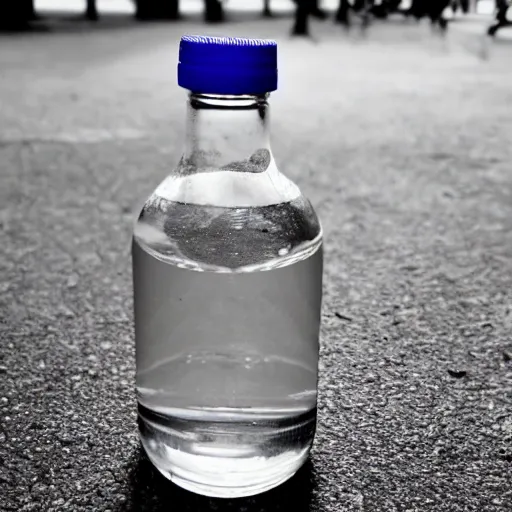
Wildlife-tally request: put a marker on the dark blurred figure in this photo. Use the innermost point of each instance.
(17, 14)
(91, 12)
(502, 6)
(463, 5)
(266, 9)
(304, 9)
(214, 11)
(156, 9)
(432, 9)
(31, 10)
(385, 8)
(342, 13)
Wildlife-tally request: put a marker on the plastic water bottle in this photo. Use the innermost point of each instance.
(227, 264)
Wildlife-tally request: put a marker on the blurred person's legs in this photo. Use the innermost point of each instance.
(267, 12)
(214, 11)
(342, 13)
(17, 14)
(381, 8)
(302, 12)
(91, 12)
(436, 13)
(418, 8)
(502, 8)
(465, 5)
(156, 9)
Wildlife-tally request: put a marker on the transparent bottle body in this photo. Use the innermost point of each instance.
(227, 264)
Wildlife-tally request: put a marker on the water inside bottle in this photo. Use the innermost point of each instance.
(227, 309)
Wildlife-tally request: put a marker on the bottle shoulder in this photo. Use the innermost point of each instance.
(228, 188)
(228, 220)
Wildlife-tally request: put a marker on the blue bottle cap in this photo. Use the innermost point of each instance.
(227, 65)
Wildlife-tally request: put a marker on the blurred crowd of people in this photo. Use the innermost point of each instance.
(438, 11)
(366, 9)
(20, 13)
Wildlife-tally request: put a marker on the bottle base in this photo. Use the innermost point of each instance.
(235, 483)
(226, 459)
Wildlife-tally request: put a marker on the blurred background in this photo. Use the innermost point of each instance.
(197, 6)
(26, 10)
(393, 117)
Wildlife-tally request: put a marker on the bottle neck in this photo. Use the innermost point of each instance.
(228, 133)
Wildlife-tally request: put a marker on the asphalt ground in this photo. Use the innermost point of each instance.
(400, 138)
